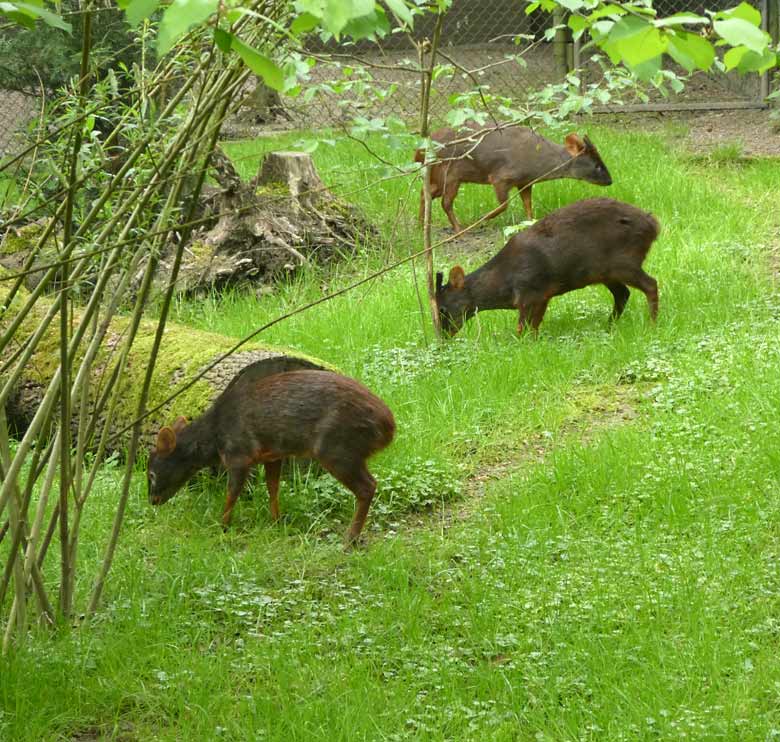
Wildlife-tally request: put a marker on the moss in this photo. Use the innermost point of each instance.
(273, 189)
(37, 370)
(201, 255)
(21, 240)
(185, 351)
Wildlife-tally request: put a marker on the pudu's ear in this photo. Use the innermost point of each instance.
(574, 145)
(180, 423)
(439, 281)
(166, 441)
(457, 277)
(588, 143)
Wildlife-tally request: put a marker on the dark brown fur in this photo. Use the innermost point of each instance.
(506, 158)
(312, 414)
(599, 240)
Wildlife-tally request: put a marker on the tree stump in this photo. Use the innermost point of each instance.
(262, 106)
(278, 223)
(254, 233)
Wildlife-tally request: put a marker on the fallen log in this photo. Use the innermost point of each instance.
(184, 353)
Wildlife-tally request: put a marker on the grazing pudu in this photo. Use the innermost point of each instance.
(312, 414)
(506, 157)
(598, 240)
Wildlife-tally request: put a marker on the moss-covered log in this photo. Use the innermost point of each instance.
(184, 353)
(17, 243)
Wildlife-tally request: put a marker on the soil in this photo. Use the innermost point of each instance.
(754, 131)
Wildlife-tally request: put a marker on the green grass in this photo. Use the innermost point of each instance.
(605, 563)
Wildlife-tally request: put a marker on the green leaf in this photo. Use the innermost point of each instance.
(180, 17)
(647, 69)
(24, 13)
(441, 70)
(335, 14)
(368, 26)
(680, 18)
(531, 7)
(744, 60)
(223, 39)
(401, 10)
(304, 23)
(636, 40)
(571, 5)
(640, 9)
(259, 64)
(313, 7)
(601, 29)
(733, 57)
(627, 27)
(9, 10)
(677, 85)
(236, 14)
(137, 10)
(577, 24)
(767, 61)
(745, 11)
(690, 50)
(739, 32)
(605, 11)
(645, 47)
(457, 117)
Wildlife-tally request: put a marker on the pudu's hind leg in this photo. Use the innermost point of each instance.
(357, 479)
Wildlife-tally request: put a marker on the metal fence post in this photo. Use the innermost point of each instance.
(559, 44)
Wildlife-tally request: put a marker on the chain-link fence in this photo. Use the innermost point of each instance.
(485, 37)
(494, 40)
(501, 47)
(703, 90)
(16, 110)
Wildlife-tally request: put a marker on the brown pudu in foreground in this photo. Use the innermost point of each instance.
(599, 240)
(313, 414)
(506, 157)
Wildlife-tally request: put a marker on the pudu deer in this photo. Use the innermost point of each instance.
(312, 414)
(506, 157)
(598, 240)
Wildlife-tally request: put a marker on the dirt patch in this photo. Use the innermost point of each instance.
(753, 133)
(125, 732)
(480, 242)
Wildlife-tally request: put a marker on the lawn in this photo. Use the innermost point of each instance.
(575, 537)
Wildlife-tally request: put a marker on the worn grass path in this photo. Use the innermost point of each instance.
(575, 537)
